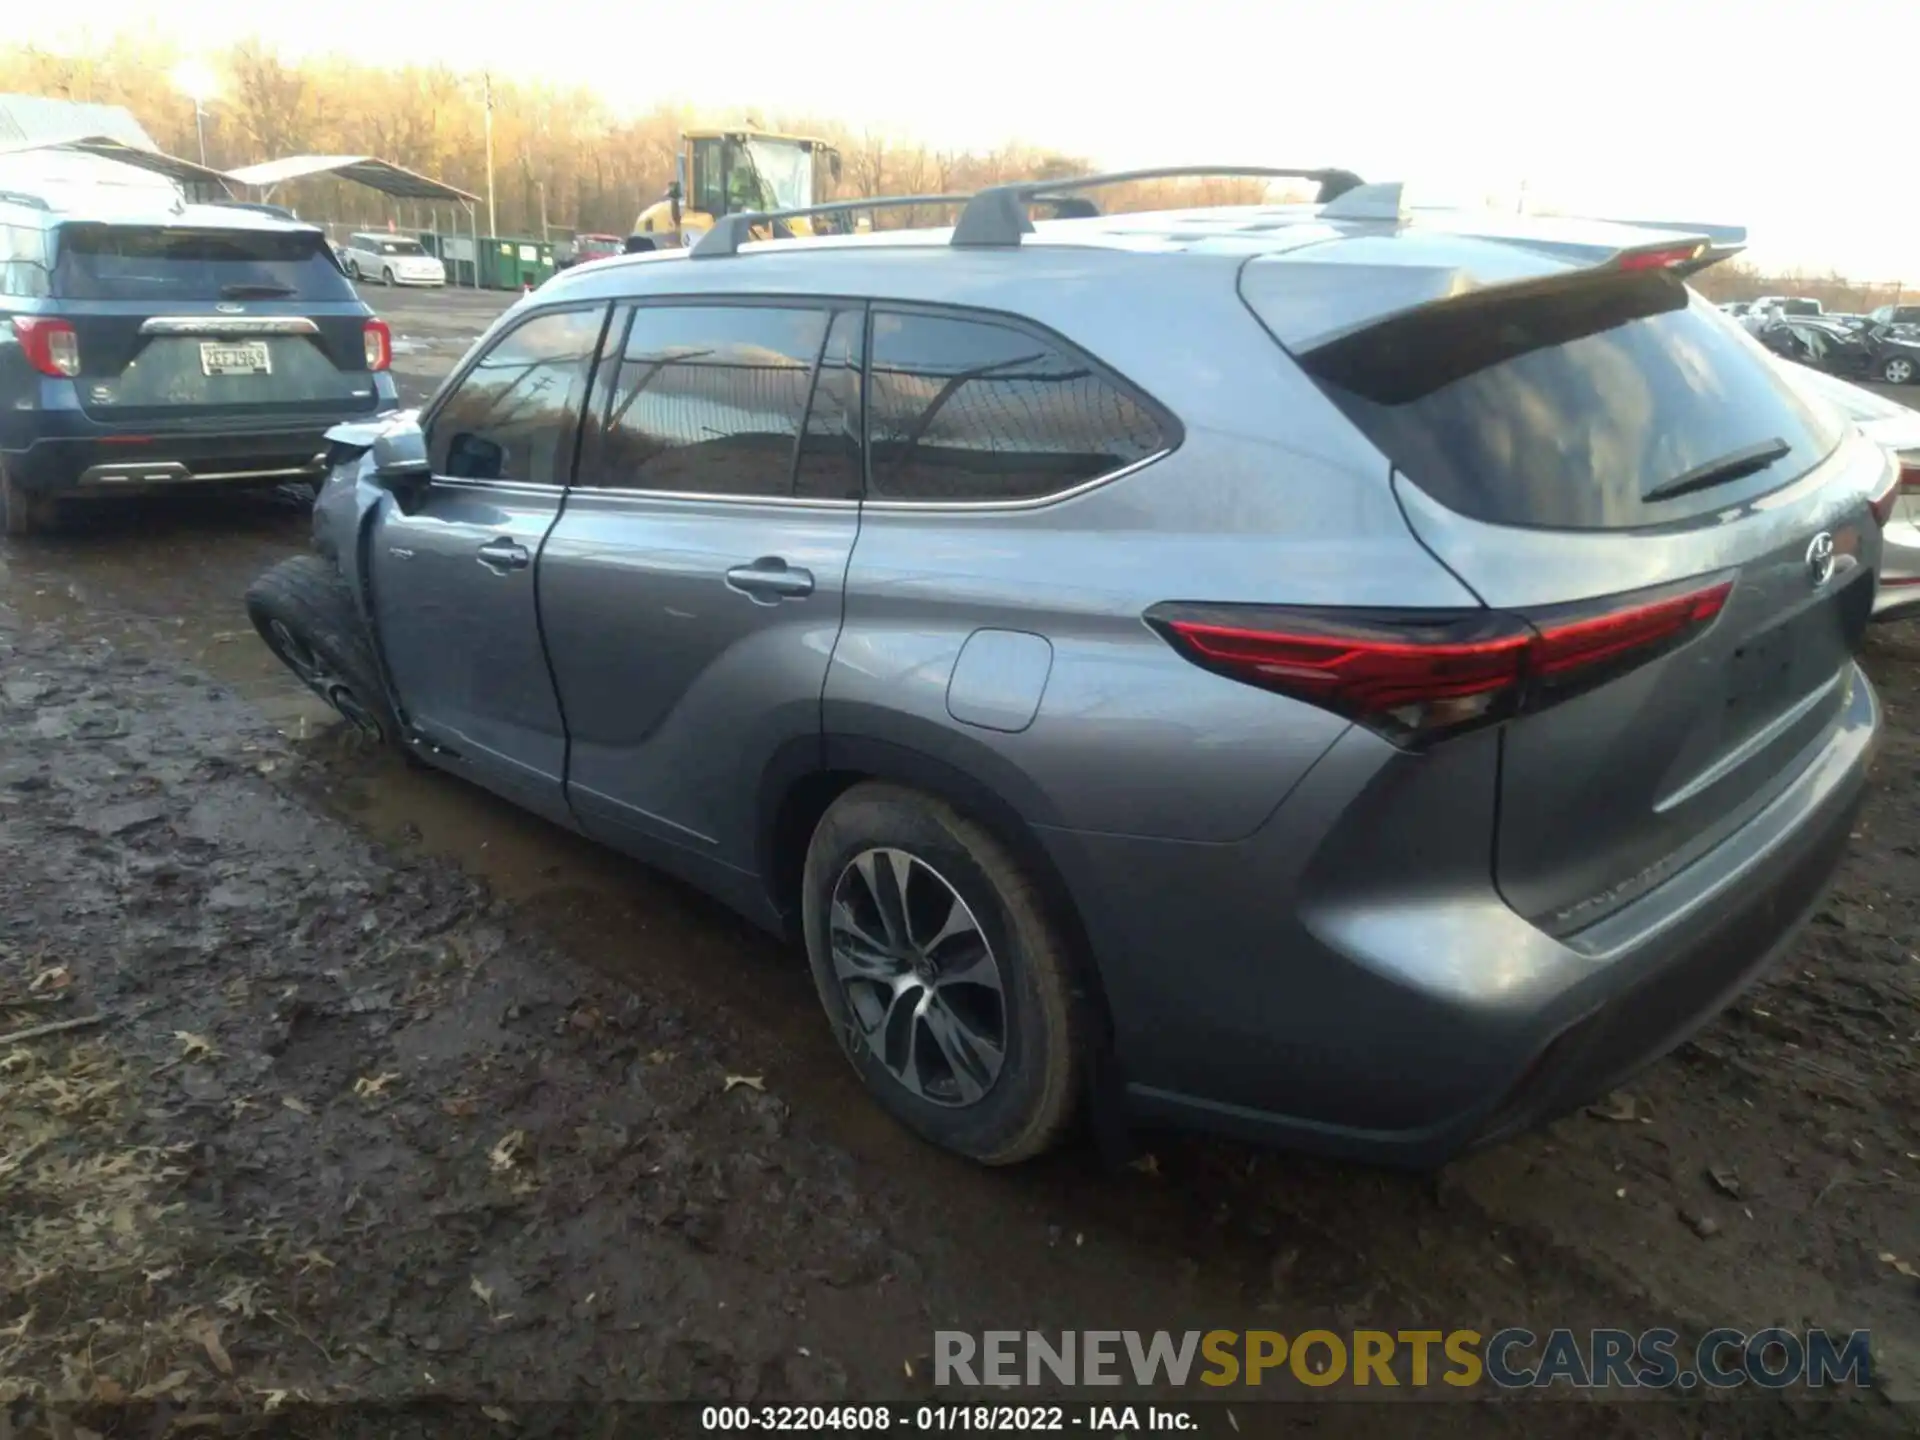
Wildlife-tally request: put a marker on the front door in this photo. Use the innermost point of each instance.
(691, 593)
(453, 581)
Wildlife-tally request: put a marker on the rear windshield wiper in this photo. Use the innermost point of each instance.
(254, 292)
(1732, 466)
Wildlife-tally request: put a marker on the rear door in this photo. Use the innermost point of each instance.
(236, 328)
(1584, 454)
(691, 594)
(453, 571)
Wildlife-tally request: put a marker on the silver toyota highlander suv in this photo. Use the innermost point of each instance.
(1358, 678)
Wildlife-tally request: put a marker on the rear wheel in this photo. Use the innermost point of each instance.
(25, 512)
(386, 276)
(304, 613)
(946, 984)
(1898, 370)
(353, 270)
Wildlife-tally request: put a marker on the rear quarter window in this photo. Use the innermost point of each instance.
(1563, 406)
(978, 410)
(129, 262)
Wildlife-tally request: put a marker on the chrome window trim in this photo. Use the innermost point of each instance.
(943, 507)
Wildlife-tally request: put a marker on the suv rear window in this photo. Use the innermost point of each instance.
(134, 262)
(1563, 406)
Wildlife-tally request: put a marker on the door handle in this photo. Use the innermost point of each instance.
(769, 580)
(500, 556)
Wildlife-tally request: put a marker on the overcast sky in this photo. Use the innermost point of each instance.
(1799, 119)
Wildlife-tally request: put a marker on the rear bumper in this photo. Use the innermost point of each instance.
(66, 455)
(1407, 1027)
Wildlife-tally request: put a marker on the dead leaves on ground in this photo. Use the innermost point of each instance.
(505, 1154)
(374, 1087)
(752, 1082)
(195, 1047)
(207, 1333)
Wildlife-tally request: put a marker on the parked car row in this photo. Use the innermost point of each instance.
(1854, 348)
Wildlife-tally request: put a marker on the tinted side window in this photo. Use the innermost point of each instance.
(977, 410)
(829, 467)
(709, 400)
(515, 414)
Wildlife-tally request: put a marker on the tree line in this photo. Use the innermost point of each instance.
(563, 157)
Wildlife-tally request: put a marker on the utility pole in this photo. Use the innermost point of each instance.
(493, 224)
(200, 127)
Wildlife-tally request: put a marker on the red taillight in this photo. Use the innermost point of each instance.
(1579, 645)
(51, 346)
(1660, 258)
(1414, 676)
(377, 341)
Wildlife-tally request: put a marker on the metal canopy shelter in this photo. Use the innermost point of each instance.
(389, 179)
(105, 147)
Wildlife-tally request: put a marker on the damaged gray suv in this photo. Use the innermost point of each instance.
(1349, 677)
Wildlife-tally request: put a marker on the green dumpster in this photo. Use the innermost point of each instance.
(513, 262)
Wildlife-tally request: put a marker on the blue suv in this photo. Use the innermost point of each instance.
(205, 345)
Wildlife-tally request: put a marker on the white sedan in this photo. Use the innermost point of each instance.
(390, 259)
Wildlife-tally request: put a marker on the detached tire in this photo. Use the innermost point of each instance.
(26, 513)
(945, 983)
(304, 613)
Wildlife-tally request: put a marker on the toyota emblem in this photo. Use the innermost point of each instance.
(1820, 559)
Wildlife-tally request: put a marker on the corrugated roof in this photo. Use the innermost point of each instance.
(105, 147)
(368, 170)
(41, 119)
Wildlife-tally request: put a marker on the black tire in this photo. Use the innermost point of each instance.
(24, 512)
(353, 271)
(1031, 1097)
(1899, 370)
(386, 276)
(303, 611)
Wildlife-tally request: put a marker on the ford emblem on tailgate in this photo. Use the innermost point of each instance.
(1820, 559)
(228, 308)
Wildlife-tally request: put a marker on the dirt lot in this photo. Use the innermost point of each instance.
(393, 1093)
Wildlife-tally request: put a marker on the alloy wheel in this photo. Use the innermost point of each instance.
(923, 989)
(1899, 370)
(314, 672)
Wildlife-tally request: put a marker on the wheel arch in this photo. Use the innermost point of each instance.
(805, 777)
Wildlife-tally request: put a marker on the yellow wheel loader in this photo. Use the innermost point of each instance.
(730, 172)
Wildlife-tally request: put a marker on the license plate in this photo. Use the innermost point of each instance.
(223, 358)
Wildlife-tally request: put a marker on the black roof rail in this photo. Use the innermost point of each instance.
(730, 230)
(998, 214)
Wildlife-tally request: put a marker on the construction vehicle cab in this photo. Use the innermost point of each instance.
(730, 172)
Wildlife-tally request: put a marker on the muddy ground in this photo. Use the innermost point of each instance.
(388, 1092)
